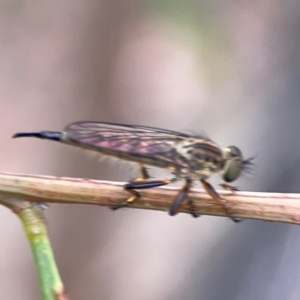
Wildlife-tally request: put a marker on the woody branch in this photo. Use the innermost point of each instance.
(17, 191)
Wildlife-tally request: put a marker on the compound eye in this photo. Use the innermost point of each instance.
(235, 151)
(233, 163)
(232, 170)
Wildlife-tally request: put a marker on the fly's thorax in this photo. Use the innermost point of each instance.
(203, 157)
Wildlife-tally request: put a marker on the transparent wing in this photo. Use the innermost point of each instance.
(147, 145)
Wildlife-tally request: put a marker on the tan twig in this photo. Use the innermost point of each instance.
(247, 205)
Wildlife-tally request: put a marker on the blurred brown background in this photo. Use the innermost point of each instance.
(226, 68)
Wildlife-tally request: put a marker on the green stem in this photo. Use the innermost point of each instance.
(36, 231)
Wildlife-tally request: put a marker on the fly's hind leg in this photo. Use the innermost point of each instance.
(144, 172)
(141, 183)
(213, 193)
(134, 196)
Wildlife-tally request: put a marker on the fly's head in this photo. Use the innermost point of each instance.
(233, 164)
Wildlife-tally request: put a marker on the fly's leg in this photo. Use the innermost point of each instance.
(147, 184)
(228, 187)
(180, 199)
(139, 184)
(132, 186)
(144, 172)
(134, 196)
(192, 209)
(212, 192)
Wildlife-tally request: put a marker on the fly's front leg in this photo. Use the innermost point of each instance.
(228, 187)
(213, 193)
(180, 199)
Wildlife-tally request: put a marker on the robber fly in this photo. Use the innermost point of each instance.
(187, 157)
